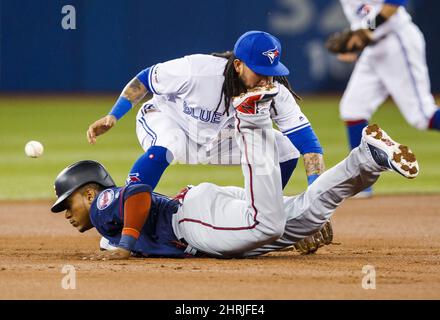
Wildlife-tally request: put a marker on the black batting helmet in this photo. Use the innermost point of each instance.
(77, 175)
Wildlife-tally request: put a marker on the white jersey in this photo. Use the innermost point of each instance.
(189, 90)
(360, 12)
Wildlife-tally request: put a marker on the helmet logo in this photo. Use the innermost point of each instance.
(272, 54)
(105, 199)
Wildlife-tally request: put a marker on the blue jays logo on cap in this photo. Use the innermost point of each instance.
(261, 52)
(272, 54)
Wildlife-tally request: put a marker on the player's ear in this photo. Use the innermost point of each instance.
(91, 194)
(238, 65)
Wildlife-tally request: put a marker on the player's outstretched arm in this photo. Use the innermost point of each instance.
(99, 127)
(307, 143)
(136, 210)
(314, 166)
(133, 92)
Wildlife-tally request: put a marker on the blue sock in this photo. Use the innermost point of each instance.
(354, 131)
(287, 169)
(149, 167)
(435, 121)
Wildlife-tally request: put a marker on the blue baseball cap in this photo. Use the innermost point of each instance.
(261, 52)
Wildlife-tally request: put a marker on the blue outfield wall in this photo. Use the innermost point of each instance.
(115, 39)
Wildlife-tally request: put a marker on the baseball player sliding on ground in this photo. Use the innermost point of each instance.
(190, 119)
(225, 222)
(390, 53)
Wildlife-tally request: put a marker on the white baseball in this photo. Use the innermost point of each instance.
(33, 149)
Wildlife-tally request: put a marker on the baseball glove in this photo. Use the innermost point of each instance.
(312, 243)
(338, 41)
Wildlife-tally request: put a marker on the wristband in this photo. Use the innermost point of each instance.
(312, 178)
(121, 107)
(127, 242)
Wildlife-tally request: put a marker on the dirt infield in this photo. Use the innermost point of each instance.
(399, 236)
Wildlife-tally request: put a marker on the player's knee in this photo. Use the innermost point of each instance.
(159, 154)
(206, 188)
(419, 123)
(351, 109)
(274, 231)
(278, 232)
(345, 112)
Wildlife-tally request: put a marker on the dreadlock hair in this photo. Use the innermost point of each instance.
(233, 86)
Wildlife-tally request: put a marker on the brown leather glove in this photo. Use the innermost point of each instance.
(348, 41)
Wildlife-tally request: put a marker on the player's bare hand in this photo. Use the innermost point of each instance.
(348, 57)
(118, 254)
(99, 127)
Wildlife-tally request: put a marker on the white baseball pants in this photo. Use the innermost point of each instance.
(154, 127)
(236, 222)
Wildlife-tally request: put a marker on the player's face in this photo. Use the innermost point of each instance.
(78, 205)
(249, 78)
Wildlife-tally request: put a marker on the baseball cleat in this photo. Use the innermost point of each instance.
(256, 100)
(388, 153)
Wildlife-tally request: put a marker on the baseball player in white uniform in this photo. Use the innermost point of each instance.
(392, 64)
(228, 222)
(190, 120)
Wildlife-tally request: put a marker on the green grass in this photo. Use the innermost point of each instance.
(60, 123)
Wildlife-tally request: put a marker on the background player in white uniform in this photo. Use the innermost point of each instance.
(189, 120)
(235, 222)
(394, 64)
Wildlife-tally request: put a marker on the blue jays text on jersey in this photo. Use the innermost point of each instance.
(202, 114)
